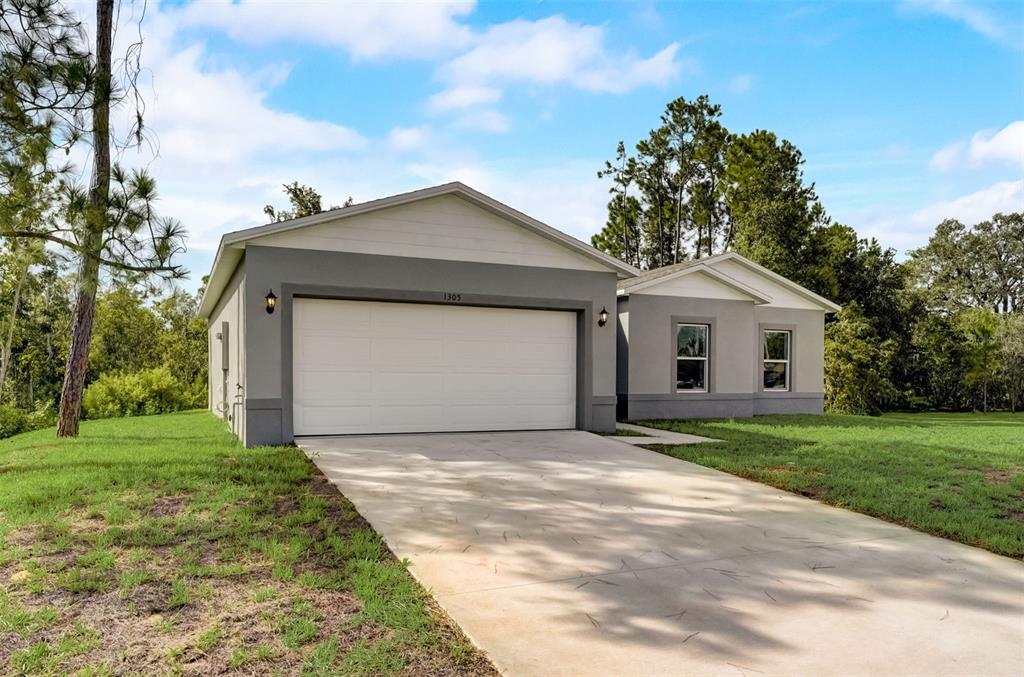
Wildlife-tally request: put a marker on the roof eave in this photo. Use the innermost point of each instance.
(224, 264)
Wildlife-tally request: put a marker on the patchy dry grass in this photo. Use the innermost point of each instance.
(960, 476)
(159, 545)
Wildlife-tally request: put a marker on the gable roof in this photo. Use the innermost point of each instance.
(665, 273)
(232, 245)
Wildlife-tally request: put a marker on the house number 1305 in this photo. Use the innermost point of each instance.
(451, 296)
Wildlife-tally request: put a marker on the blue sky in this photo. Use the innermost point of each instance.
(906, 112)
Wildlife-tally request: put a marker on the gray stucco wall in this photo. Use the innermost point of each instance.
(346, 275)
(734, 364)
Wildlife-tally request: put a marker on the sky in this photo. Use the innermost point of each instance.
(907, 113)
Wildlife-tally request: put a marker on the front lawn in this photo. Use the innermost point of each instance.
(960, 476)
(159, 545)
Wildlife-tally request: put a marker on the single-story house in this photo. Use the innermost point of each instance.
(719, 337)
(436, 310)
(445, 310)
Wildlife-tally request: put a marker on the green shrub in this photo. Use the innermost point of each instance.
(14, 420)
(151, 391)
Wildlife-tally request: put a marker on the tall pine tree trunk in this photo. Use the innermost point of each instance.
(5, 351)
(95, 226)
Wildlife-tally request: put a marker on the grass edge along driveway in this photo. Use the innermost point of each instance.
(959, 476)
(161, 545)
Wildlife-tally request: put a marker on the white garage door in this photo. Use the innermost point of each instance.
(367, 367)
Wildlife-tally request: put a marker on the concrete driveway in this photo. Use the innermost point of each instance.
(567, 553)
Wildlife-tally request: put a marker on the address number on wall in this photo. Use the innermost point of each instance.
(452, 296)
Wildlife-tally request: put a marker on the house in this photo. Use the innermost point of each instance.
(445, 310)
(718, 337)
(436, 310)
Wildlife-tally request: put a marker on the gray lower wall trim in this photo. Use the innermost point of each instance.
(689, 397)
(264, 427)
(674, 408)
(264, 403)
(639, 407)
(604, 399)
(603, 417)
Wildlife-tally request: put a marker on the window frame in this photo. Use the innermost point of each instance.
(765, 360)
(706, 360)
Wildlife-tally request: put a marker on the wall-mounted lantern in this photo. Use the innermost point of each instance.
(271, 301)
(602, 317)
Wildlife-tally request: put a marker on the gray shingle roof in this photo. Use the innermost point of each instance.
(654, 274)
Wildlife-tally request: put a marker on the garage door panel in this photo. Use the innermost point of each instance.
(324, 316)
(406, 318)
(409, 383)
(334, 350)
(327, 418)
(405, 417)
(423, 351)
(366, 367)
(491, 417)
(333, 384)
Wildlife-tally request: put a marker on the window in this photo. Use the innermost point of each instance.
(776, 359)
(692, 357)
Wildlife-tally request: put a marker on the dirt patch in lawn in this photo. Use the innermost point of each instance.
(210, 595)
(992, 475)
(168, 506)
(999, 475)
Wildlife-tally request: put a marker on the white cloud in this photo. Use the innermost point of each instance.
(484, 121)
(408, 138)
(554, 51)
(1005, 196)
(741, 84)
(365, 29)
(911, 229)
(221, 116)
(981, 21)
(983, 148)
(463, 97)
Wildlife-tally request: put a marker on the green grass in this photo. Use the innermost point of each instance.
(960, 476)
(626, 432)
(231, 557)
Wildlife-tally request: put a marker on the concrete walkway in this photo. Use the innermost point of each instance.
(656, 436)
(565, 553)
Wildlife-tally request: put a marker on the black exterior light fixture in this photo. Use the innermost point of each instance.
(602, 317)
(271, 301)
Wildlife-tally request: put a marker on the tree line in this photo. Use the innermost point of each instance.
(148, 352)
(84, 322)
(942, 329)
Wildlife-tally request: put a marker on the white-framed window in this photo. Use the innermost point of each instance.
(776, 349)
(692, 357)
